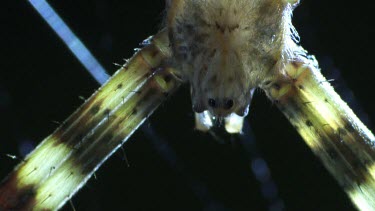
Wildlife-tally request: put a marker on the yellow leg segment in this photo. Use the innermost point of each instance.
(330, 128)
(65, 160)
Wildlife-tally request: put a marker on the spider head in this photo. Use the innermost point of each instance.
(221, 100)
(225, 49)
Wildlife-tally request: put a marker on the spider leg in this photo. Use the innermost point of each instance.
(65, 160)
(329, 127)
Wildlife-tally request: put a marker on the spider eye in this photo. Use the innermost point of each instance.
(228, 104)
(212, 103)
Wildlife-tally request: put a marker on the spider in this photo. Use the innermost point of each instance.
(171, 108)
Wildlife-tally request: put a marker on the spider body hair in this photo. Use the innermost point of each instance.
(226, 48)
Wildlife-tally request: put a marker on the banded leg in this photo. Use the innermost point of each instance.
(65, 160)
(330, 128)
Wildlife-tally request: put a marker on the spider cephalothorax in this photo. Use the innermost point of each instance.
(226, 48)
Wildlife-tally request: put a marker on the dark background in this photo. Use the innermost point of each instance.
(41, 82)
